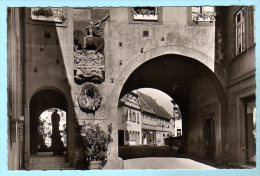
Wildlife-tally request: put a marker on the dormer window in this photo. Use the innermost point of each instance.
(145, 13)
(203, 14)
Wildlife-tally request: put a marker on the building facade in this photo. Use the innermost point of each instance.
(237, 48)
(177, 119)
(144, 122)
(54, 61)
(131, 121)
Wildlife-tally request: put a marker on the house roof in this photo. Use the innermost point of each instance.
(148, 104)
(145, 107)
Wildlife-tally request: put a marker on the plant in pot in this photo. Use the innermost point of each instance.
(95, 144)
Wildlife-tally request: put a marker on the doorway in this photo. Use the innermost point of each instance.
(121, 137)
(250, 130)
(209, 138)
(48, 127)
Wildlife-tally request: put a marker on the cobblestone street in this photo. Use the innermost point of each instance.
(164, 163)
(157, 157)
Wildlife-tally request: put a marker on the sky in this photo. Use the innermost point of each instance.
(162, 98)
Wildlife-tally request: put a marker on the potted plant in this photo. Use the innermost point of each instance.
(95, 144)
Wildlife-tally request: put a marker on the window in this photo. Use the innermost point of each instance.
(126, 135)
(48, 14)
(145, 33)
(178, 132)
(203, 14)
(130, 135)
(130, 115)
(145, 13)
(126, 115)
(240, 31)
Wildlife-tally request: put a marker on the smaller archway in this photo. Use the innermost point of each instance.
(48, 127)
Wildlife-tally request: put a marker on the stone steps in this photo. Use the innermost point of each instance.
(50, 159)
(48, 163)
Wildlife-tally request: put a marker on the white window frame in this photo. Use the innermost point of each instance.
(58, 13)
(203, 15)
(144, 17)
(240, 31)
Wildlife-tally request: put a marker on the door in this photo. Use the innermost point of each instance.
(121, 137)
(250, 130)
(47, 131)
(209, 138)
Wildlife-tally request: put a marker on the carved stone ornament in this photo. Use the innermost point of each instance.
(88, 66)
(89, 99)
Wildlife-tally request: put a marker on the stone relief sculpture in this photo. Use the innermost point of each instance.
(89, 60)
(94, 39)
(89, 99)
(89, 63)
(88, 67)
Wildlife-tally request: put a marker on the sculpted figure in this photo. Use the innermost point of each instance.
(57, 144)
(94, 39)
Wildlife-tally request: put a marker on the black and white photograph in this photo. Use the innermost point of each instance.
(142, 87)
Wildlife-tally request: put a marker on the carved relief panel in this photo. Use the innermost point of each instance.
(89, 59)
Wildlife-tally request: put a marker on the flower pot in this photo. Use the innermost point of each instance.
(94, 165)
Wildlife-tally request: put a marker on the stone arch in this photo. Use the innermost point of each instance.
(140, 59)
(46, 87)
(43, 99)
(202, 62)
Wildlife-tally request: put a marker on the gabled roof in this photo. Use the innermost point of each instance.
(148, 104)
(145, 107)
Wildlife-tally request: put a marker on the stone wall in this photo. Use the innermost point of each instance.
(241, 84)
(49, 65)
(204, 103)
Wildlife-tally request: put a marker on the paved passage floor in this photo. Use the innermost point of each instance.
(164, 163)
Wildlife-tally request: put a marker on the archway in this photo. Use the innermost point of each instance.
(53, 104)
(196, 90)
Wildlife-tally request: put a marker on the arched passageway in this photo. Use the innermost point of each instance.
(196, 90)
(53, 104)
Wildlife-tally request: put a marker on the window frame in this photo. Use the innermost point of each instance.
(145, 17)
(159, 21)
(190, 16)
(59, 14)
(240, 29)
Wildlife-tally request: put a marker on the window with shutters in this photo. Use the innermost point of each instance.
(240, 30)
